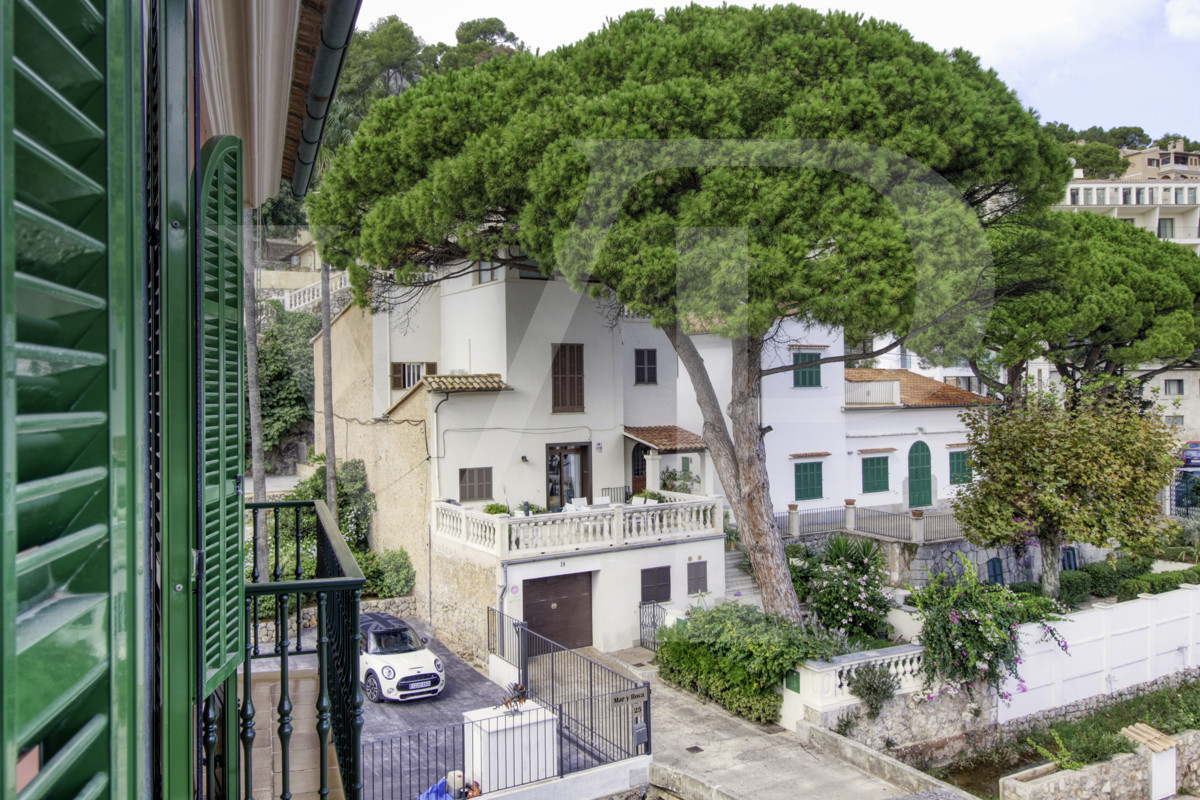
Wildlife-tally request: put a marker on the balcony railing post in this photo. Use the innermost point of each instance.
(851, 522)
(285, 701)
(503, 524)
(247, 711)
(323, 704)
(356, 712)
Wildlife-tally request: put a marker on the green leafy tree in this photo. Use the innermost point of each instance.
(1122, 136)
(476, 41)
(282, 216)
(286, 374)
(1097, 159)
(383, 60)
(1165, 141)
(1112, 297)
(1050, 469)
(469, 163)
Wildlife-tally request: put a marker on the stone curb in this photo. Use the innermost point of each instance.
(684, 784)
(875, 763)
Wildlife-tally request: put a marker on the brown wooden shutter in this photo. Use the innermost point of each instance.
(656, 585)
(697, 577)
(566, 375)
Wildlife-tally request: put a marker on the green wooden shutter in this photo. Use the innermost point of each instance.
(220, 352)
(71, 592)
(808, 480)
(875, 474)
(920, 476)
(808, 376)
(960, 470)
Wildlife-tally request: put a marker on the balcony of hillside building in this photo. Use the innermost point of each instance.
(286, 721)
(582, 526)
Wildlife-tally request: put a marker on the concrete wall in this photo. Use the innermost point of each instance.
(288, 279)
(1111, 647)
(411, 333)
(616, 583)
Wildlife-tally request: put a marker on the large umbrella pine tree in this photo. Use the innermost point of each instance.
(713, 170)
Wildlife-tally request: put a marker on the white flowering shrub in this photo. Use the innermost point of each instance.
(848, 597)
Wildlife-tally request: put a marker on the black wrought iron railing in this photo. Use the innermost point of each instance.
(302, 594)
(884, 523)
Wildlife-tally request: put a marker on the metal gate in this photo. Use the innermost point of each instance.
(652, 617)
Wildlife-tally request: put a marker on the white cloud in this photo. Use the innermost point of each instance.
(1183, 18)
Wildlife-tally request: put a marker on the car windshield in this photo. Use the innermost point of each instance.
(397, 641)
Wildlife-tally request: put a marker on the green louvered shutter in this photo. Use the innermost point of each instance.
(71, 593)
(220, 352)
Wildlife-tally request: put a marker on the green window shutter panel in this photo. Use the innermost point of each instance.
(808, 480)
(220, 350)
(70, 483)
(875, 474)
(808, 376)
(960, 472)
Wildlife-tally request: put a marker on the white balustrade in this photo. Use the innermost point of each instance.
(310, 295)
(612, 526)
(825, 685)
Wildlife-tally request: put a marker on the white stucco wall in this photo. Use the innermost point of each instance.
(617, 587)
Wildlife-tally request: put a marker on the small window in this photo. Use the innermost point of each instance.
(1074, 197)
(1173, 386)
(1087, 197)
(406, 374)
(488, 272)
(474, 483)
(960, 471)
(875, 474)
(1141, 196)
(808, 480)
(1175, 421)
(1126, 197)
(686, 462)
(1166, 228)
(656, 585)
(645, 366)
(806, 376)
(566, 375)
(697, 576)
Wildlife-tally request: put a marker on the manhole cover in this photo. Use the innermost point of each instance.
(694, 749)
(773, 728)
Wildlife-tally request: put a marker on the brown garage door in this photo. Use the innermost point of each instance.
(560, 608)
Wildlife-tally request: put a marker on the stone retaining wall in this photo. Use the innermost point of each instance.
(1122, 777)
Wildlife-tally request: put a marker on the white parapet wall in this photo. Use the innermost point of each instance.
(1110, 649)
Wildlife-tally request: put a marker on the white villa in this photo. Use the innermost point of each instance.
(501, 386)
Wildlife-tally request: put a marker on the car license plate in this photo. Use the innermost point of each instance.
(420, 685)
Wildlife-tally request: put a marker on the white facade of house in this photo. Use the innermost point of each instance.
(469, 372)
(837, 424)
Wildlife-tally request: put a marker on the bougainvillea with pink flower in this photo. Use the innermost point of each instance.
(848, 597)
(971, 630)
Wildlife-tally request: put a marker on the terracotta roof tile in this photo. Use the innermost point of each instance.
(667, 438)
(959, 444)
(878, 450)
(808, 455)
(917, 391)
(489, 382)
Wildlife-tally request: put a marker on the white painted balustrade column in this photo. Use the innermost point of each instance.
(918, 526)
(850, 521)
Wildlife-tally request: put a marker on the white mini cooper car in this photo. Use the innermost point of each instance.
(393, 662)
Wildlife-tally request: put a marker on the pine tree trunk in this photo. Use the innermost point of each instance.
(327, 391)
(1051, 545)
(740, 459)
(250, 310)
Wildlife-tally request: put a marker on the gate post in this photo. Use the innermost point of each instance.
(522, 652)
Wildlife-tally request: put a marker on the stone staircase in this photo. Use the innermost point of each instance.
(739, 581)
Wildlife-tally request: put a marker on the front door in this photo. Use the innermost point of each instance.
(568, 474)
(920, 476)
(560, 609)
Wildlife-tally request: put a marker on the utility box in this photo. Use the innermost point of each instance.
(1162, 758)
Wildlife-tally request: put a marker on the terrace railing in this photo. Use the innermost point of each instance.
(682, 517)
(298, 557)
(884, 523)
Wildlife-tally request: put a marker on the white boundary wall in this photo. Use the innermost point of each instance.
(1110, 647)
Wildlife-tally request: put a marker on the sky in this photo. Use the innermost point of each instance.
(1083, 62)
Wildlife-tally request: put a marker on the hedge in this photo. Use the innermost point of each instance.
(1106, 576)
(1026, 587)
(1157, 583)
(1074, 586)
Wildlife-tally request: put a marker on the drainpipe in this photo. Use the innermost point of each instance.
(336, 29)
